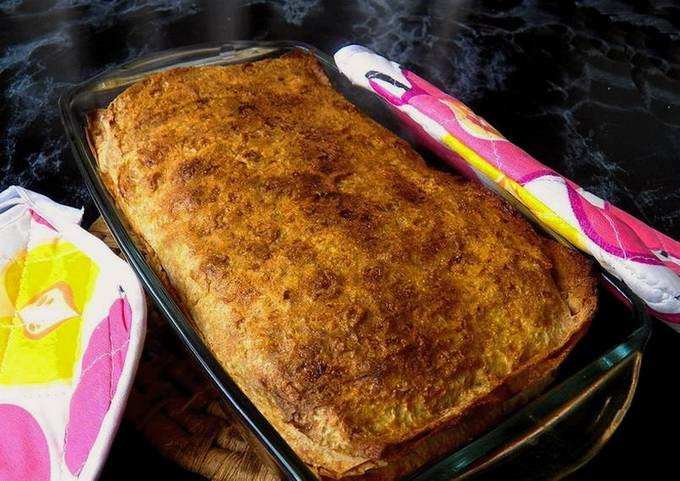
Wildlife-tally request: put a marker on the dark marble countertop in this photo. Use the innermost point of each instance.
(591, 88)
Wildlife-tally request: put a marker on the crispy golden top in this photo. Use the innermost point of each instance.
(360, 297)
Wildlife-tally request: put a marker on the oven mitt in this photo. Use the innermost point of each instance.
(72, 324)
(644, 259)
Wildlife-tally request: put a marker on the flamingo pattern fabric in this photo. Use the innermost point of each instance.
(647, 261)
(72, 323)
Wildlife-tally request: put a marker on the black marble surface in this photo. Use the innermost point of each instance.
(591, 88)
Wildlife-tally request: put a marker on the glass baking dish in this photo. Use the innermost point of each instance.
(546, 439)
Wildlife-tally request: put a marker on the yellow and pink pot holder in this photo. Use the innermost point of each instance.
(72, 324)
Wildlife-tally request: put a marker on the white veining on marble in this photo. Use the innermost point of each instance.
(294, 11)
(28, 95)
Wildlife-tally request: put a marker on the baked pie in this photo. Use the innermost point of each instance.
(379, 312)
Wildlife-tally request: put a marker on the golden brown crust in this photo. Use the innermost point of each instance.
(362, 299)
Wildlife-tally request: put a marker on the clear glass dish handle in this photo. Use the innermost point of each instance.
(556, 441)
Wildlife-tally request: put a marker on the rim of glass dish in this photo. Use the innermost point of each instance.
(286, 459)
